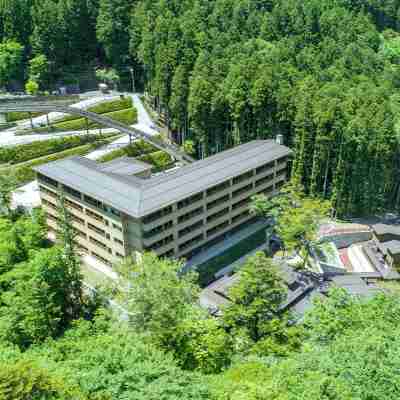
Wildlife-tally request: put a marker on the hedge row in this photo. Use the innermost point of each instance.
(25, 173)
(127, 116)
(25, 152)
(20, 115)
(103, 108)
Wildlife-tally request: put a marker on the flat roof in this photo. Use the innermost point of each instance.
(382, 229)
(125, 166)
(139, 197)
(392, 246)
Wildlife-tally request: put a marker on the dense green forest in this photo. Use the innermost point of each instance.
(325, 74)
(57, 341)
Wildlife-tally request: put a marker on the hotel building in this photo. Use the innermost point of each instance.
(120, 209)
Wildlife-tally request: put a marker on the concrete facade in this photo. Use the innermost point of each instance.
(181, 228)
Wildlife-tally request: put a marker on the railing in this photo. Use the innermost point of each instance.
(101, 119)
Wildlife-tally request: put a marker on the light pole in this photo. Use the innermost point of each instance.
(133, 79)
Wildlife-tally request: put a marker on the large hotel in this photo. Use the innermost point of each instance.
(119, 209)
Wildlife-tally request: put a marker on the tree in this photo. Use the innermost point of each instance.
(113, 29)
(202, 344)
(109, 76)
(345, 333)
(255, 298)
(12, 249)
(32, 87)
(11, 54)
(25, 380)
(150, 289)
(8, 183)
(39, 69)
(72, 305)
(297, 217)
(103, 360)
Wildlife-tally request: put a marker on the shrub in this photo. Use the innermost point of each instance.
(26, 152)
(112, 105)
(127, 116)
(103, 108)
(136, 149)
(159, 159)
(32, 87)
(25, 173)
(18, 116)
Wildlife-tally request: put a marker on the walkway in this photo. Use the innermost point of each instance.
(102, 120)
(28, 197)
(9, 137)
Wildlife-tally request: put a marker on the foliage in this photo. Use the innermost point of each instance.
(32, 87)
(137, 148)
(159, 159)
(25, 152)
(127, 116)
(350, 360)
(18, 116)
(109, 76)
(208, 269)
(26, 380)
(255, 298)
(25, 173)
(112, 29)
(202, 344)
(143, 284)
(102, 360)
(297, 216)
(189, 147)
(39, 69)
(112, 105)
(8, 183)
(11, 54)
(228, 72)
(73, 289)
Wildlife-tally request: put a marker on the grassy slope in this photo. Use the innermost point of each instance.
(127, 116)
(24, 172)
(25, 152)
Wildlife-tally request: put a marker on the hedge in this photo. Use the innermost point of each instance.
(25, 173)
(160, 160)
(127, 116)
(145, 152)
(112, 105)
(103, 108)
(137, 148)
(20, 115)
(25, 152)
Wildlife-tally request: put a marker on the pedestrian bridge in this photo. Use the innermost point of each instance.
(66, 108)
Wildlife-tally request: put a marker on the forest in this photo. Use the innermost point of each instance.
(60, 341)
(325, 74)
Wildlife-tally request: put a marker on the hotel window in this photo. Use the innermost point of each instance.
(72, 191)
